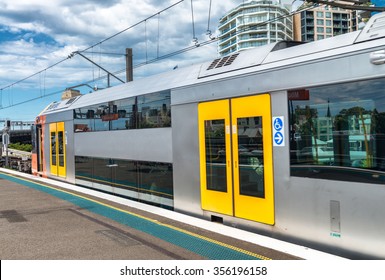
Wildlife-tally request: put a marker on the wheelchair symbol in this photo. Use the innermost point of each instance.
(278, 124)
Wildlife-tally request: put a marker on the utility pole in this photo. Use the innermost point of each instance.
(129, 67)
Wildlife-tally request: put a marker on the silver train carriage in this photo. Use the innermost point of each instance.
(287, 140)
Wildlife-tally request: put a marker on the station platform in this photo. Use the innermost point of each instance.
(43, 219)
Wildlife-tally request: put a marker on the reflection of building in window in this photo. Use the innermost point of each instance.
(339, 126)
(145, 111)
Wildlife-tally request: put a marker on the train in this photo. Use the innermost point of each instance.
(285, 140)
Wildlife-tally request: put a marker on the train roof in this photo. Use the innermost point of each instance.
(265, 57)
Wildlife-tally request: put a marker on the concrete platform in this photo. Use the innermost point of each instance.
(43, 219)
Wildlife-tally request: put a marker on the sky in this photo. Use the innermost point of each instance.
(37, 34)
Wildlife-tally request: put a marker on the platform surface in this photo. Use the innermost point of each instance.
(43, 219)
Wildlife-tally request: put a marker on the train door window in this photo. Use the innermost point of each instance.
(236, 158)
(250, 156)
(53, 149)
(57, 149)
(215, 155)
(61, 147)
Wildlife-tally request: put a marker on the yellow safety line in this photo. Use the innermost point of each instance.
(150, 220)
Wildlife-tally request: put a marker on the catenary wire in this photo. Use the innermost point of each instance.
(201, 44)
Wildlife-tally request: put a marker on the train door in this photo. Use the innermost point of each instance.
(236, 158)
(57, 149)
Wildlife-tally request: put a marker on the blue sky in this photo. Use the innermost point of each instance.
(35, 34)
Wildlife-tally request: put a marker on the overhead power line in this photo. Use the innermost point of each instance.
(90, 47)
(212, 40)
(184, 50)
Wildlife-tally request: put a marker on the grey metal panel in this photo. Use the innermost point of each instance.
(281, 160)
(138, 144)
(60, 116)
(46, 147)
(70, 153)
(335, 216)
(307, 214)
(312, 50)
(186, 158)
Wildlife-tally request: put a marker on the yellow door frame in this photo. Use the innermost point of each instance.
(232, 202)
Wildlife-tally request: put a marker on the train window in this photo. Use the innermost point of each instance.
(53, 148)
(250, 155)
(145, 111)
(215, 155)
(61, 147)
(150, 182)
(338, 132)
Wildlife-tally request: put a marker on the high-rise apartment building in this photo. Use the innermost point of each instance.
(323, 22)
(253, 24)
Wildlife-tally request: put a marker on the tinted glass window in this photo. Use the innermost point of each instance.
(145, 111)
(215, 155)
(150, 182)
(338, 132)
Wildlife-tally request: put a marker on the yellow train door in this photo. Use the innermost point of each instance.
(236, 158)
(57, 149)
(215, 157)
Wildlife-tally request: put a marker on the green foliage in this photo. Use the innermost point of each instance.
(21, 147)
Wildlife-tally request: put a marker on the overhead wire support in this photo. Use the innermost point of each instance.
(136, 24)
(145, 63)
(195, 39)
(208, 32)
(108, 72)
(90, 47)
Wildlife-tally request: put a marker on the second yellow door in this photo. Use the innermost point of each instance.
(236, 158)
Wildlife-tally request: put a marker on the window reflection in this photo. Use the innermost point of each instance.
(215, 155)
(145, 111)
(339, 126)
(250, 155)
(150, 182)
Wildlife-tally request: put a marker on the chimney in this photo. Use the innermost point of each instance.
(69, 93)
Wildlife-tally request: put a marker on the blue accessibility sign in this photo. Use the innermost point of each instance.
(278, 131)
(278, 138)
(278, 124)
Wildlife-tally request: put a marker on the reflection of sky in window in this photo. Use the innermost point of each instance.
(153, 99)
(367, 94)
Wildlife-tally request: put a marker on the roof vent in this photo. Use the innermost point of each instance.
(374, 29)
(224, 61)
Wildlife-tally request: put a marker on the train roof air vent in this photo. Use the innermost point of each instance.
(374, 29)
(224, 61)
(71, 100)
